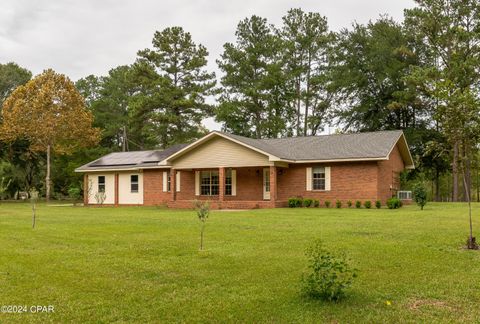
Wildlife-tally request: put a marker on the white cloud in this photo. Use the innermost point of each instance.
(85, 37)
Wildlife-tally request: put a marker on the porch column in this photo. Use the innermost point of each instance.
(86, 189)
(273, 185)
(116, 190)
(221, 183)
(173, 185)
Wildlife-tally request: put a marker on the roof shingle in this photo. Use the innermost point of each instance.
(356, 146)
(327, 147)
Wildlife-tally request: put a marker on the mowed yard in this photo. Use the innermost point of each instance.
(140, 264)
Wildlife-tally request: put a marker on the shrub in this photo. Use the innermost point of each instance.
(4, 186)
(394, 203)
(307, 202)
(316, 203)
(349, 204)
(358, 204)
(378, 204)
(291, 202)
(327, 203)
(295, 202)
(329, 275)
(75, 193)
(338, 204)
(58, 196)
(100, 197)
(420, 195)
(367, 204)
(299, 202)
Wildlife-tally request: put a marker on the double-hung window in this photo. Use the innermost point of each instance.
(101, 183)
(134, 183)
(169, 182)
(318, 178)
(209, 183)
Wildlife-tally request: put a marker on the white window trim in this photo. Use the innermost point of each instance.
(309, 179)
(165, 181)
(177, 181)
(138, 183)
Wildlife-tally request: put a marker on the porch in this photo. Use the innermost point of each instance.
(226, 188)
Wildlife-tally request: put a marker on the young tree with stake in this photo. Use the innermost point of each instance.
(203, 209)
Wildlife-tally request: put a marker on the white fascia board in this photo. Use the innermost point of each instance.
(107, 170)
(402, 137)
(337, 160)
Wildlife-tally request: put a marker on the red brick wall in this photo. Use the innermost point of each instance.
(187, 185)
(349, 181)
(153, 188)
(249, 184)
(388, 170)
(238, 204)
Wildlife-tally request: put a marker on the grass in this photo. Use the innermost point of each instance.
(139, 264)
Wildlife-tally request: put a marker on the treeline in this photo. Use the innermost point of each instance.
(420, 75)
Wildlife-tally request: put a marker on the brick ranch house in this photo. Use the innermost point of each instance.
(237, 172)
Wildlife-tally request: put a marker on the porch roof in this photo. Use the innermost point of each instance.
(323, 148)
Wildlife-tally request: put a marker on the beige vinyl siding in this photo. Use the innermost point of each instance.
(219, 152)
(109, 187)
(125, 195)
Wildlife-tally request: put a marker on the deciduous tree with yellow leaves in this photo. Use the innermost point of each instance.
(50, 113)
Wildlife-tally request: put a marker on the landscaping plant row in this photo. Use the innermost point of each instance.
(294, 202)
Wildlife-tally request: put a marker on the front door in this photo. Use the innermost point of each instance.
(266, 184)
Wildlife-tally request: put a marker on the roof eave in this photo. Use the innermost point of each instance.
(136, 168)
(381, 158)
(408, 161)
(200, 141)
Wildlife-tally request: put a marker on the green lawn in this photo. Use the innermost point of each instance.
(143, 265)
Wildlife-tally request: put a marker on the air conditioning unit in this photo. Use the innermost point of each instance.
(404, 195)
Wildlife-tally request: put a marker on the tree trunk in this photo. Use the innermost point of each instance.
(307, 98)
(201, 236)
(299, 112)
(471, 244)
(437, 185)
(478, 185)
(455, 173)
(468, 177)
(258, 131)
(47, 178)
(33, 215)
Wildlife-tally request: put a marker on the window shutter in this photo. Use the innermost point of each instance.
(309, 179)
(177, 181)
(327, 178)
(197, 183)
(234, 182)
(165, 181)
